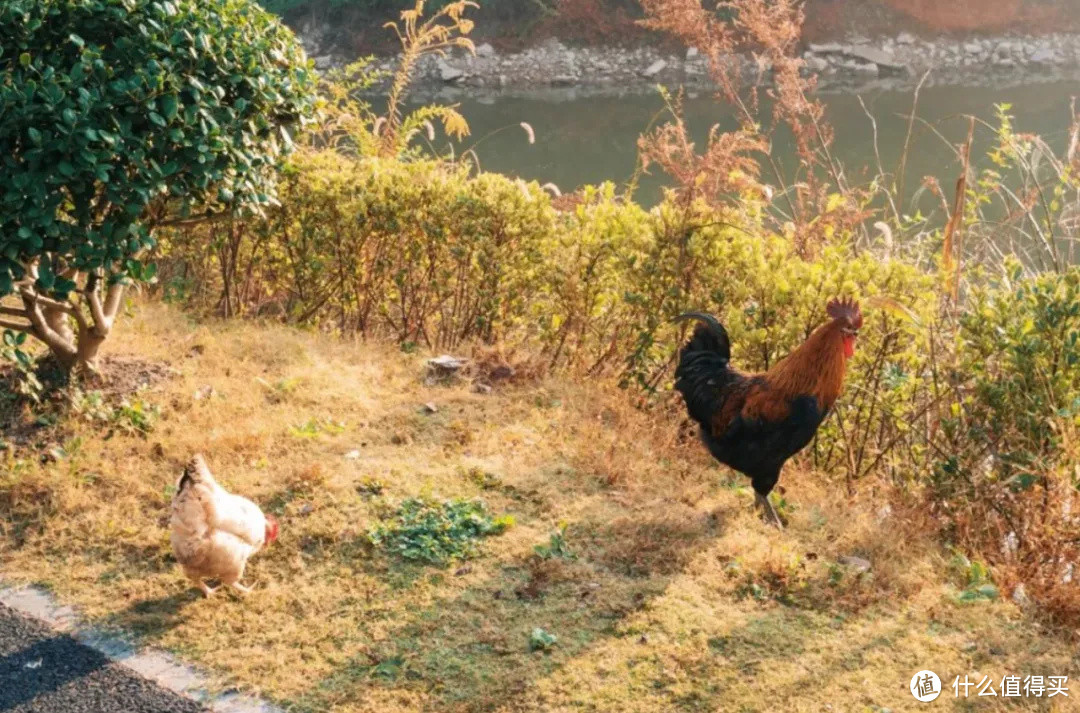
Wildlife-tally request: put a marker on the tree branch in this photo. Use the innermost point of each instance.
(48, 302)
(93, 298)
(68, 309)
(5, 324)
(80, 317)
(42, 331)
(192, 221)
(112, 301)
(14, 312)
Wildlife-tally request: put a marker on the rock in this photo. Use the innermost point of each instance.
(654, 69)
(1019, 596)
(485, 50)
(448, 72)
(204, 393)
(875, 56)
(446, 364)
(481, 388)
(553, 45)
(826, 48)
(692, 53)
(862, 565)
(862, 68)
(324, 62)
(430, 408)
(817, 64)
(502, 372)
(905, 38)
(307, 509)
(1043, 56)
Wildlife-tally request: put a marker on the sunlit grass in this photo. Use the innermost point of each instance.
(666, 592)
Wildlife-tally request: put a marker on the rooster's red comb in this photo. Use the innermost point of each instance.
(846, 309)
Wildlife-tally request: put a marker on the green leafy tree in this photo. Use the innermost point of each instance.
(118, 117)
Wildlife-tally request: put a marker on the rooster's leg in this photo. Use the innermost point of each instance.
(769, 512)
(240, 588)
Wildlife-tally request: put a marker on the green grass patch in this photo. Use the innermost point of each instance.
(437, 532)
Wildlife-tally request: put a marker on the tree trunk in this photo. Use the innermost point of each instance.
(58, 322)
(73, 330)
(77, 351)
(55, 331)
(86, 357)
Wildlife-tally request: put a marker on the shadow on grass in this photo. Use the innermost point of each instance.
(470, 651)
(152, 618)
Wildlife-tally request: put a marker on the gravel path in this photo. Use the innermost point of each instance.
(42, 671)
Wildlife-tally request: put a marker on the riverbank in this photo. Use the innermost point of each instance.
(853, 63)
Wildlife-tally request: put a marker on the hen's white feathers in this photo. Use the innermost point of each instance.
(213, 532)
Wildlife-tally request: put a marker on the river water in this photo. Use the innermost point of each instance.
(586, 138)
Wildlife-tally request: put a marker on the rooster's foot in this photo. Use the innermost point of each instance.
(207, 589)
(240, 588)
(768, 511)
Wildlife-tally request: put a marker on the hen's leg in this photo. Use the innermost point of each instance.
(206, 589)
(234, 581)
(768, 512)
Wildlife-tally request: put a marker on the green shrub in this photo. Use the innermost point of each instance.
(415, 251)
(23, 376)
(117, 116)
(1020, 346)
(1004, 483)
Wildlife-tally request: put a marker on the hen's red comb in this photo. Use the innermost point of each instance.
(846, 309)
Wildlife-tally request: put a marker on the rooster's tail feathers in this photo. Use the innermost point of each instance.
(710, 336)
(703, 374)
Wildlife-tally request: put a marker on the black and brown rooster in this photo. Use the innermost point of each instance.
(755, 422)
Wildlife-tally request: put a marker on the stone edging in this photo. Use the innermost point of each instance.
(159, 667)
(853, 61)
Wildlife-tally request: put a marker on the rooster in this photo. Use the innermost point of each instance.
(755, 422)
(215, 532)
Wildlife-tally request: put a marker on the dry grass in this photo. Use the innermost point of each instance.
(678, 598)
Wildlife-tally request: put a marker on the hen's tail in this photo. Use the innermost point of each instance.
(703, 367)
(196, 471)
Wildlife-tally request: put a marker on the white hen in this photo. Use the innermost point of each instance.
(213, 531)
